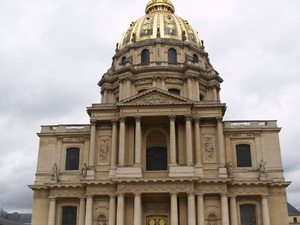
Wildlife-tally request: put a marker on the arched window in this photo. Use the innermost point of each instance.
(72, 159)
(124, 60)
(145, 56)
(201, 97)
(172, 55)
(248, 214)
(156, 152)
(174, 91)
(243, 155)
(195, 58)
(69, 215)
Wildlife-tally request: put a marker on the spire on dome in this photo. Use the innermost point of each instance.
(160, 5)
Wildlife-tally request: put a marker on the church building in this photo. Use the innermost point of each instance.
(157, 150)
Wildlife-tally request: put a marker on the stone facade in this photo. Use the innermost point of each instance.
(157, 151)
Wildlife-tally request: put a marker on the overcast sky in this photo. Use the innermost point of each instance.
(54, 52)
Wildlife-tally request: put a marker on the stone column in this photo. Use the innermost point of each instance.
(113, 157)
(82, 211)
(224, 207)
(188, 140)
(200, 210)
(191, 209)
(138, 141)
(105, 98)
(215, 95)
(190, 88)
(122, 142)
(173, 160)
(154, 84)
(121, 90)
(163, 83)
(52, 209)
(198, 142)
(197, 90)
(112, 210)
(220, 142)
(265, 210)
(120, 210)
(128, 87)
(137, 210)
(174, 209)
(89, 211)
(233, 211)
(92, 144)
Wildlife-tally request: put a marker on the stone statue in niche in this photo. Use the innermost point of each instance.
(262, 170)
(84, 170)
(55, 172)
(229, 169)
(211, 222)
(104, 150)
(209, 148)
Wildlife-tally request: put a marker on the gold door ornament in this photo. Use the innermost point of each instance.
(157, 220)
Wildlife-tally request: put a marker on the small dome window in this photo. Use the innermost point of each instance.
(195, 58)
(172, 55)
(124, 61)
(145, 56)
(174, 91)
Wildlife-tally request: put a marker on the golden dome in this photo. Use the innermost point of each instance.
(160, 22)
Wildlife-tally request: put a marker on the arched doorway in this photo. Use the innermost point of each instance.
(156, 151)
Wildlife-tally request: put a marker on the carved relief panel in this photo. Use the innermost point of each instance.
(209, 149)
(104, 147)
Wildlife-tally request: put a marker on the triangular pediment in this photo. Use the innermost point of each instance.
(155, 96)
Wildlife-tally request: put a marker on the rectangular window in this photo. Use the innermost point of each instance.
(72, 159)
(243, 155)
(248, 214)
(69, 215)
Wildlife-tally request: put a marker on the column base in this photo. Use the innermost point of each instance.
(90, 174)
(199, 171)
(181, 171)
(222, 172)
(112, 172)
(129, 172)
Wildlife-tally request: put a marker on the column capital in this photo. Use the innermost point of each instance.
(137, 193)
(191, 194)
(197, 119)
(122, 119)
(89, 196)
(52, 198)
(219, 119)
(264, 196)
(224, 195)
(138, 118)
(172, 117)
(188, 117)
(114, 121)
(93, 121)
(121, 194)
(199, 194)
(174, 193)
(232, 196)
